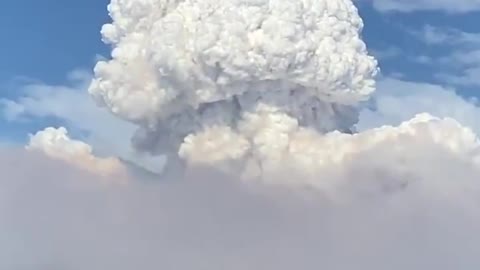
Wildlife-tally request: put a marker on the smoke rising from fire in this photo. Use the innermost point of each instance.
(234, 84)
(235, 89)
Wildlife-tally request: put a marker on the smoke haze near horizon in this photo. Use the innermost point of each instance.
(55, 216)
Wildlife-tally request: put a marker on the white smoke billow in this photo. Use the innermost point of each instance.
(256, 87)
(56, 144)
(235, 90)
(234, 83)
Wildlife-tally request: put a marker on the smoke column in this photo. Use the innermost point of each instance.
(234, 84)
(258, 87)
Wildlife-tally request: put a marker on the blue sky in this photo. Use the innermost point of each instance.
(46, 39)
(419, 46)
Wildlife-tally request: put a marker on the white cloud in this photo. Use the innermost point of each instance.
(449, 6)
(56, 144)
(73, 106)
(387, 53)
(469, 77)
(461, 64)
(398, 100)
(70, 104)
(447, 36)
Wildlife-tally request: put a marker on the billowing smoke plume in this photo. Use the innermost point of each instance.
(56, 144)
(267, 88)
(235, 84)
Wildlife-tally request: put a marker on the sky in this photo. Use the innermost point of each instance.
(64, 36)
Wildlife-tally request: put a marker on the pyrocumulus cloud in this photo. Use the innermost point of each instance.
(234, 91)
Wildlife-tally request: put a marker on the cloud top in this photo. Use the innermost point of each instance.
(56, 144)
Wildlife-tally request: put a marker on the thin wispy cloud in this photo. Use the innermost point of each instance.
(447, 6)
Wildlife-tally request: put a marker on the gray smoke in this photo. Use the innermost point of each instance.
(53, 216)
